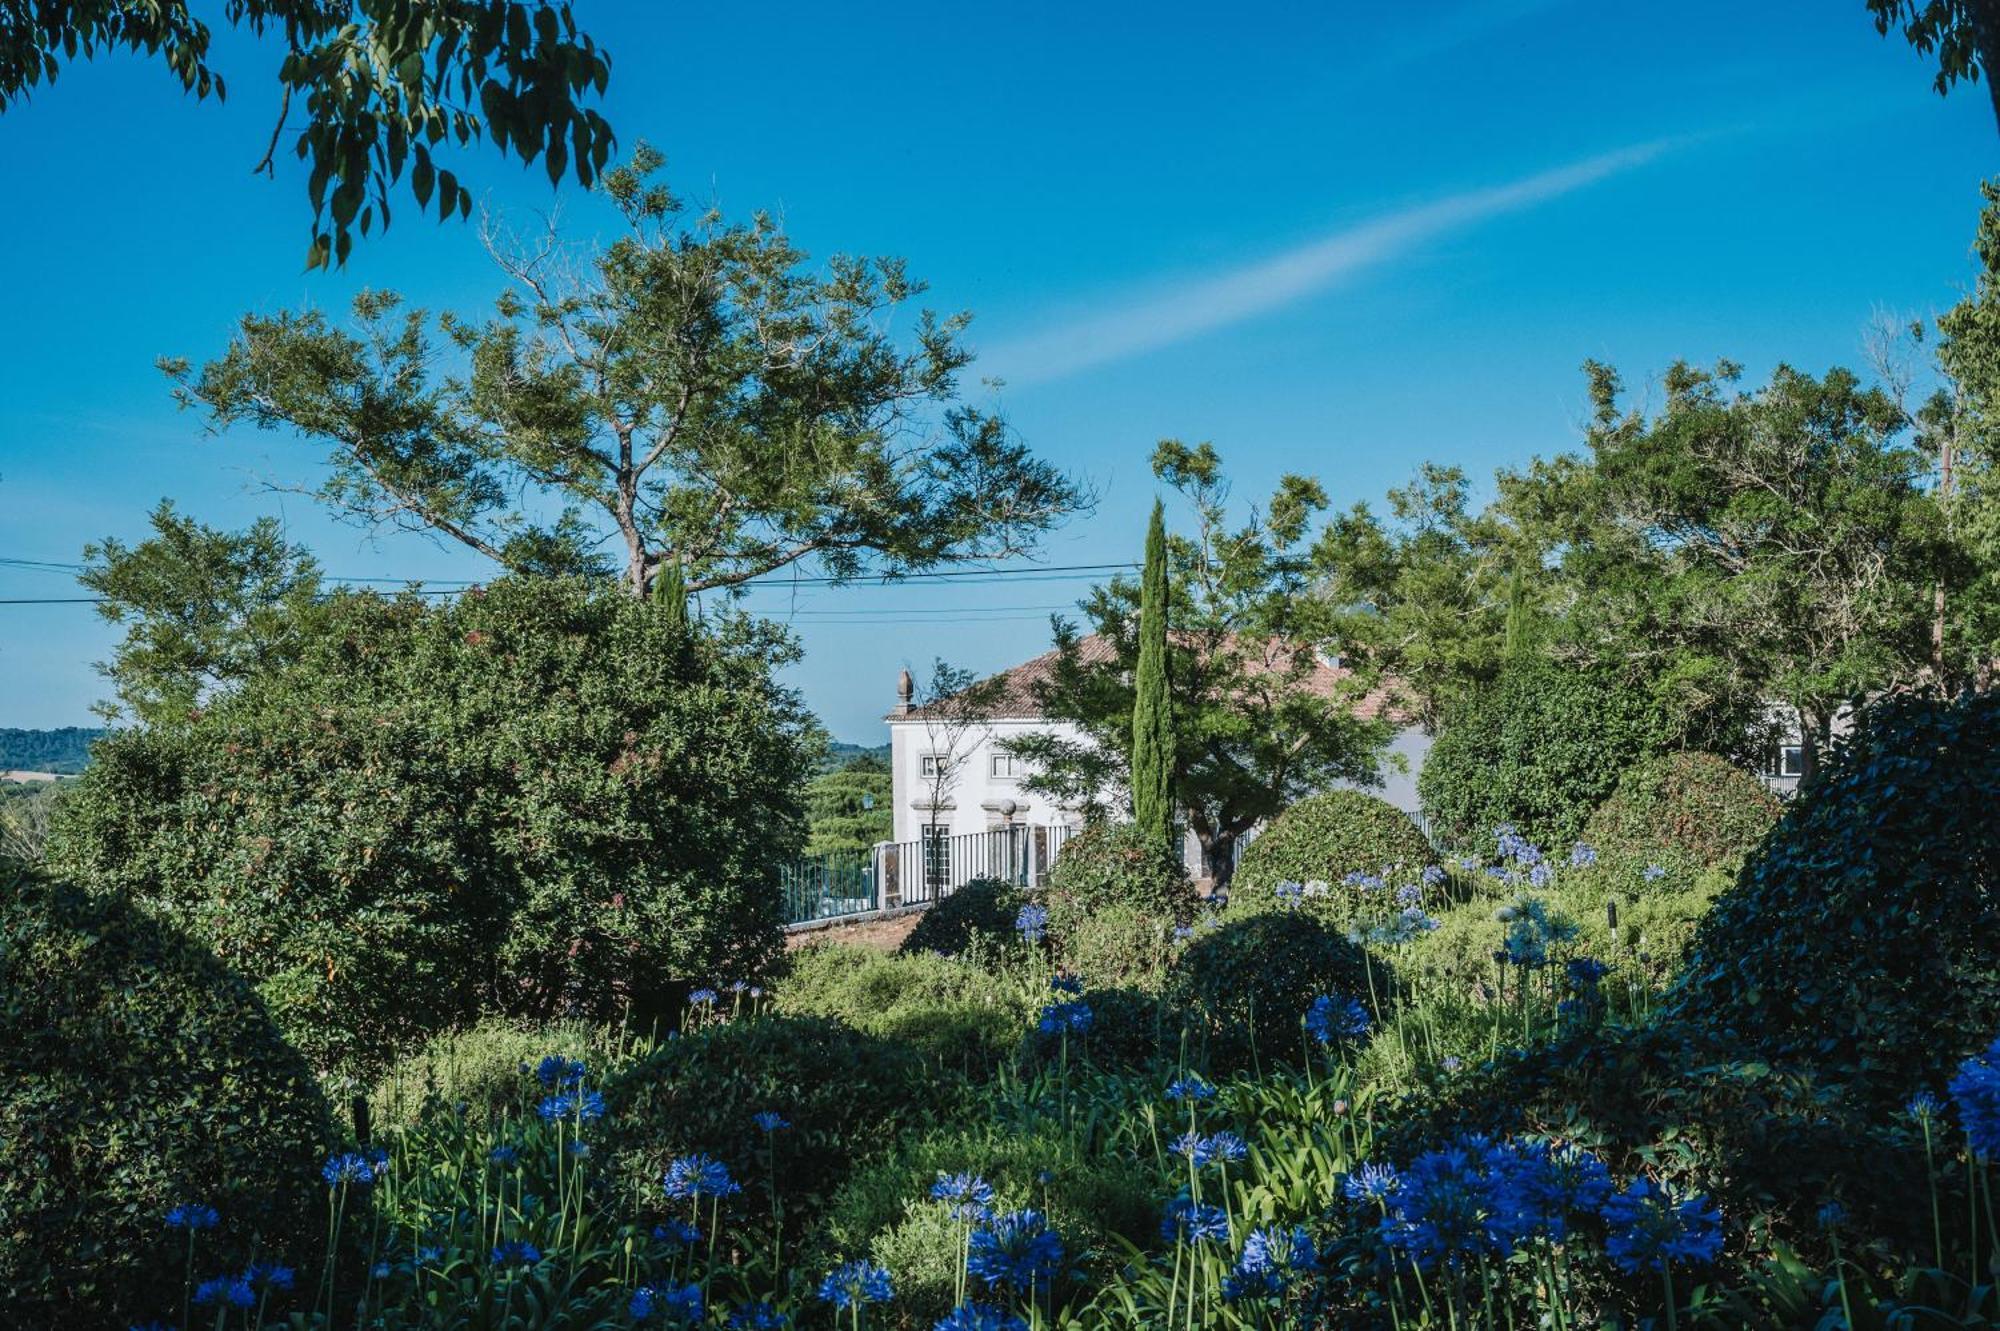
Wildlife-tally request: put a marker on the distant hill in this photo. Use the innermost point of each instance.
(65, 751)
(840, 754)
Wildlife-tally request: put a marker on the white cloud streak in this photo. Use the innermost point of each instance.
(1204, 304)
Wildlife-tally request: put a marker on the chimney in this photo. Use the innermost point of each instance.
(906, 689)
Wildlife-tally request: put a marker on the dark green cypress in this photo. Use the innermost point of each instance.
(1152, 705)
(671, 596)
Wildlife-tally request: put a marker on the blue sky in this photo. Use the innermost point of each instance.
(1323, 239)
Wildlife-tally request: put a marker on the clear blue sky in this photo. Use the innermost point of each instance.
(1323, 239)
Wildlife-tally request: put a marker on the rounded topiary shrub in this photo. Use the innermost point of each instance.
(1322, 839)
(1863, 934)
(136, 1074)
(1112, 864)
(1248, 983)
(964, 1013)
(984, 908)
(844, 1093)
(1539, 748)
(1692, 811)
(1111, 945)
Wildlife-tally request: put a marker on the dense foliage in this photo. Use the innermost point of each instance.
(1692, 811)
(964, 1013)
(983, 909)
(526, 801)
(849, 809)
(1115, 864)
(136, 1073)
(1861, 936)
(1248, 982)
(1325, 838)
(1539, 748)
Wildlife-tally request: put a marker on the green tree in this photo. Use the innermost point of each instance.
(1958, 429)
(691, 394)
(1152, 705)
(849, 809)
(1260, 718)
(524, 801)
(1964, 35)
(202, 610)
(369, 91)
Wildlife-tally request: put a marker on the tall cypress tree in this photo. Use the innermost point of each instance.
(1152, 708)
(670, 595)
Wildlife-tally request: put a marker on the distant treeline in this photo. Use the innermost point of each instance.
(65, 750)
(841, 754)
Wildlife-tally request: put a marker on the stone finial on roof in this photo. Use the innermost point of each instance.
(906, 690)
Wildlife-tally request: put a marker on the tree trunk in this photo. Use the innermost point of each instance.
(1814, 730)
(1218, 858)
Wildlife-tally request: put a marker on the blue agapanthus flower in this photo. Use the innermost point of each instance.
(1585, 972)
(1649, 1228)
(225, 1291)
(702, 998)
(1268, 1258)
(1433, 874)
(555, 1072)
(759, 1316)
(969, 1196)
(1183, 932)
(1547, 1185)
(504, 1154)
(770, 1122)
(192, 1216)
(554, 1107)
(677, 1305)
(1975, 1089)
(697, 1176)
(1456, 1203)
(1582, 855)
(1066, 983)
(348, 1167)
(1652, 873)
(1189, 1221)
(1189, 1088)
(1831, 1215)
(1330, 1019)
(1073, 1018)
(1032, 923)
(979, 1317)
(1016, 1251)
(1291, 894)
(516, 1252)
(1923, 1105)
(856, 1283)
(676, 1231)
(1410, 894)
(1222, 1148)
(1373, 1182)
(269, 1276)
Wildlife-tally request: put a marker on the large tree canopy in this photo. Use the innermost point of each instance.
(381, 84)
(1964, 36)
(691, 394)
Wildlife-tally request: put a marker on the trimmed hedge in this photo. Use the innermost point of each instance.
(982, 909)
(965, 1015)
(1692, 811)
(1323, 838)
(136, 1073)
(1246, 985)
(1111, 864)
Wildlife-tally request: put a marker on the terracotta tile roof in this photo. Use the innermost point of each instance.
(1017, 698)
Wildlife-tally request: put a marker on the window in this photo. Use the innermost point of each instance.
(1786, 760)
(1004, 767)
(933, 765)
(937, 852)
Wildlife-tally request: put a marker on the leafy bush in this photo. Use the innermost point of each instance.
(534, 800)
(1322, 839)
(1111, 945)
(481, 1068)
(1111, 864)
(983, 908)
(136, 1073)
(845, 1093)
(1248, 983)
(1692, 811)
(1539, 747)
(964, 1014)
(1863, 935)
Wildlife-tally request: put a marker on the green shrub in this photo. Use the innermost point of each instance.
(1247, 983)
(982, 909)
(1863, 935)
(1111, 945)
(1322, 839)
(1112, 864)
(850, 808)
(965, 1014)
(1540, 747)
(528, 801)
(846, 1094)
(1692, 811)
(481, 1067)
(136, 1073)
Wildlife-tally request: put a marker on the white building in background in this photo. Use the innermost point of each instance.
(980, 789)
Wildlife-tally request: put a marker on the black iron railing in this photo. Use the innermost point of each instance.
(914, 873)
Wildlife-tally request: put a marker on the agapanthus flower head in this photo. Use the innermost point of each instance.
(1290, 894)
(1455, 1203)
(1650, 1228)
(225, 1292)
(1189, 1087)
(979, 1317)
(855, 1283)
(1330, 1019)
(1451, 1063)
(1183, 932)
(1073, 1018)
(1221, 1148)
(696, 1176)
(381, 1270)
(676, 1231)
(1541, 875)
(1548, 1184)
(1372, 1182)
(676, 1305)
(269, 1276)
(554, 1107)
(348, 1167)
(969, 1196)
(1187, 1220)
(516, 1252)
(1032, 922)
(1585, 972)
(1923, 1105)
(703, 998)
(192, 1216)
(758, 1316)
(1582, 855)
(1975, 1089)
(770, 1122)
(1831, 1215)
(1278, 1250)
(555, 1072)
(577, 1148)
(1066, 983)
(1016, 1251)
(1410, 894)
(504, 1154)
(1652, 873)
(1433, 874)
